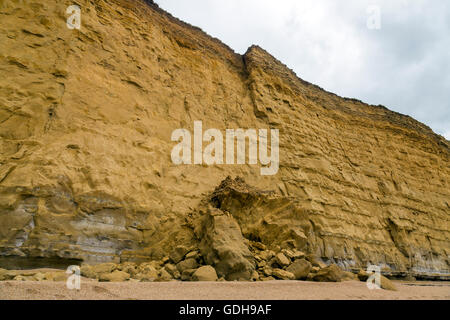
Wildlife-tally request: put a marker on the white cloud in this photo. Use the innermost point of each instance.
(447, 135)
(403, 66)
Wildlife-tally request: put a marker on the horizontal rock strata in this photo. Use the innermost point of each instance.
(86, 118)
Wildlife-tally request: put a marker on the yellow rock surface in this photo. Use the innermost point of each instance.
(86, 118)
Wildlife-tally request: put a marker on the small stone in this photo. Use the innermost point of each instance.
(363, 275)
(283, 274)
(164, 260)
(267, 271)
(245, 275)
(39, 276)
(282, 260)
(87, 271)
(192, 255)
(178, 254)
(145, 277)
(20, 278)
(205, 273)
(146, 267)
(288, 244)
(4, 275)
(300, 269)
(56, 276)
(288, 253)
(331, 273)
(187, 264)
(298, 255)
(268, 278)
(267, 255)
(170, 268)
(104, 268)
(128, 267)
(410, 278)
(187, 274)
(315, 261)
(115, 276)
(146, 272)
(385, 282)
(315, 269)
(262, 264)
(164, 276)
(349, 276)
(259, 245)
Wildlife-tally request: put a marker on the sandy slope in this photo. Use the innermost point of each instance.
(285, 290)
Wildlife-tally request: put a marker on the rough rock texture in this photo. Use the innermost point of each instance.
(300, 269)
(205, 273)
(86, 118)
(223, 247)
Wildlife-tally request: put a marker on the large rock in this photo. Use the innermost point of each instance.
(205, 273)
(223, 247)
(387, 284)
(300, 269)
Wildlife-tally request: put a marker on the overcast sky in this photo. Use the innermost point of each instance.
(404, 65)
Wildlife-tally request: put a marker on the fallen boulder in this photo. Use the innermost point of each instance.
(223, 247)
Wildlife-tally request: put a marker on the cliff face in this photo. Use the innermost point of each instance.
(86, 118)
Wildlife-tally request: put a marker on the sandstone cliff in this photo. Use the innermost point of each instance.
(86, 118)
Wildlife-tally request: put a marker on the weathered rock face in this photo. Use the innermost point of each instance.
(223, 246)
(86, 118)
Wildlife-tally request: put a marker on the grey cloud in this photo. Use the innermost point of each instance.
(405, 65)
